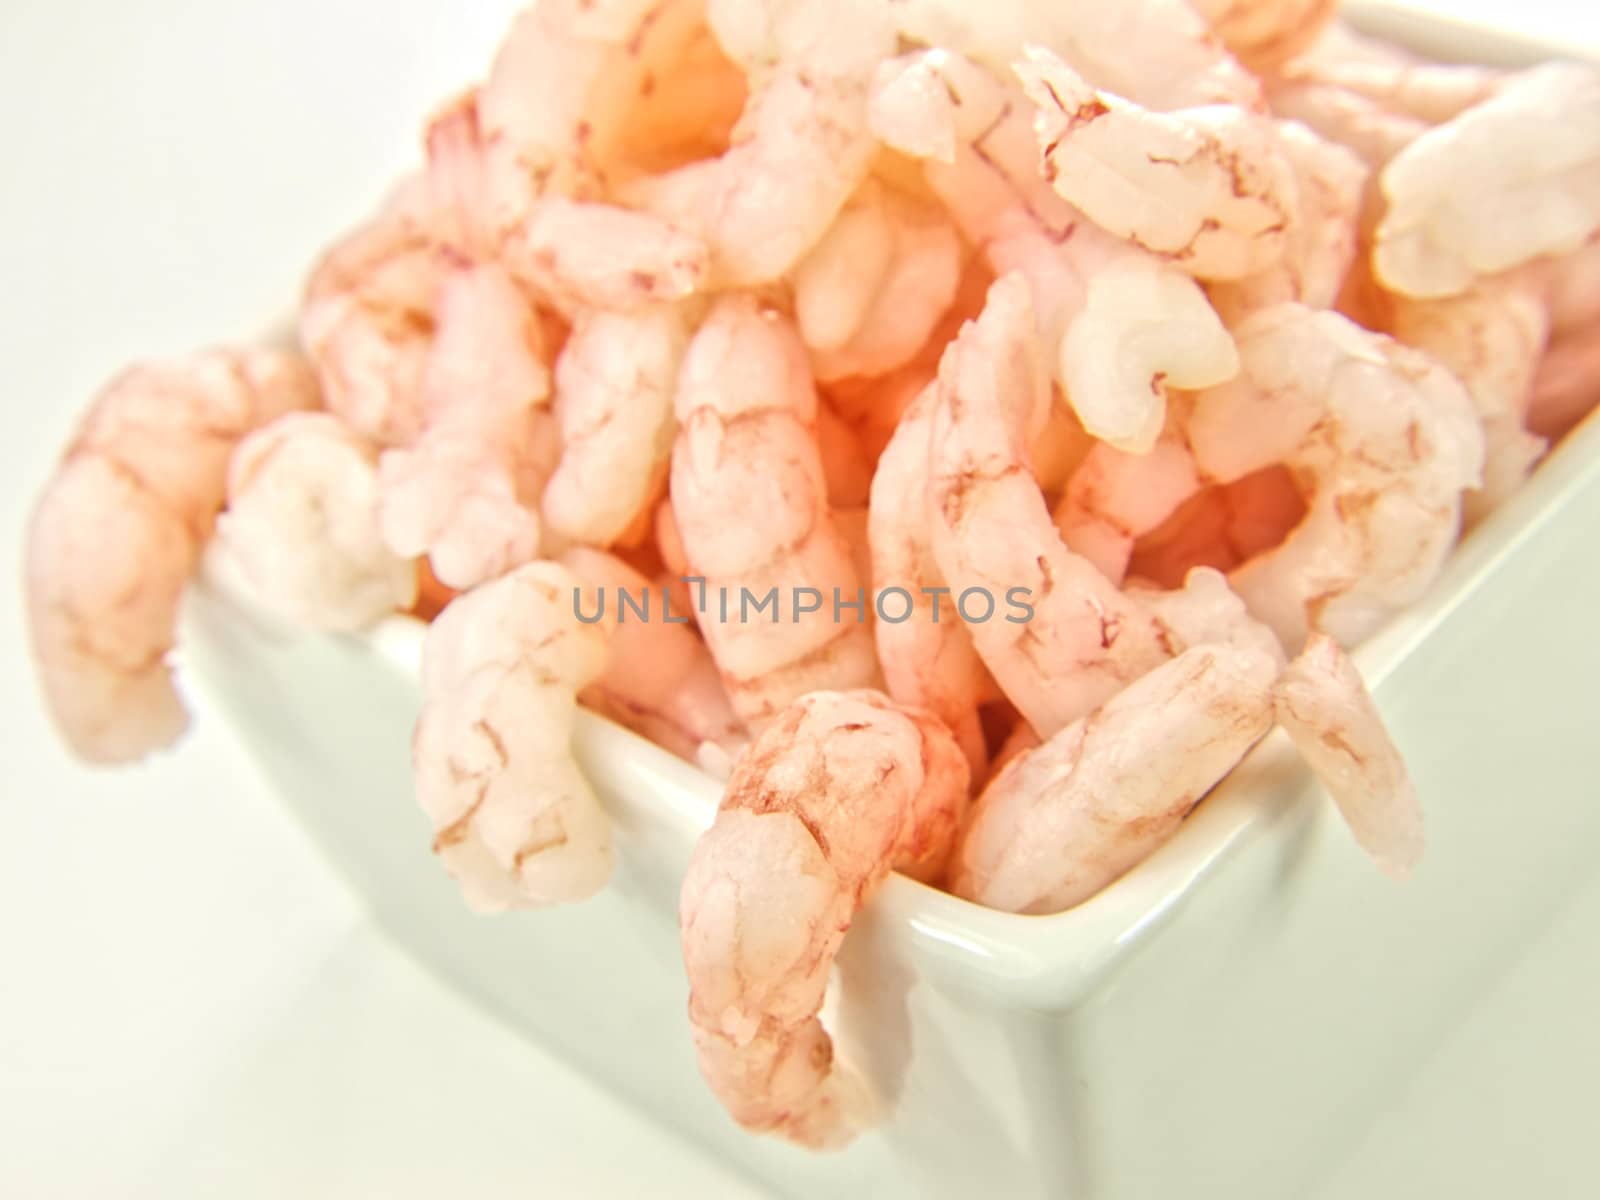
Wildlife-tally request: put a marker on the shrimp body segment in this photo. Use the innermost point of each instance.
(120, 529)
(838, 791)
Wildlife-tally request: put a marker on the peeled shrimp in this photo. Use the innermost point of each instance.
(1510, 179)
(119, 531)
(557, 102)
(1207, 189)
(801, 147)
(660, 681)
(1263, 33)
(928, 659)
(1492, 338)
(1323, 235)
(578, 256)
(1391, 78)
(1143, 327)
(746, 443)
(300, 532)
(514, 820)
(614, 385)
(1385, 442)
(992, 534)
(886, 311)
(1117, 323)
(841, 789)
(465, 493)
(1179, 63)
(1062, 821)
(368, 316)
(1325, 708)
(1114, 498)
(1361, 125)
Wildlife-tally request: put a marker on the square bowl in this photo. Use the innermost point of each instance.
(1225, 1018)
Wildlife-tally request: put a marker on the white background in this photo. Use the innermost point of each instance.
(189, 1004)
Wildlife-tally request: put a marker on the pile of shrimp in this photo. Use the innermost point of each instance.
(1190, 335)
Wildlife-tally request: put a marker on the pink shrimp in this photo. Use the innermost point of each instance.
(1532, 148)
(1062, 821)
(1208, 189)
(928, 659)
(1385, 442)
(1118, 325)
(564, 85)
(514, 820)
(300, 533)
(992, 533)
(1325, 708)
(1323, 237)
(1391, 78)
(1114, 498)
(368, 317)
(119, 531)
(1179, 62)
(800, 148)
(465, 492)
(1492, 338)
(615, 381)
(896, 306)
(841, 789)
(1263, 33)
(577, 256)
(660, 681)
(746, 443)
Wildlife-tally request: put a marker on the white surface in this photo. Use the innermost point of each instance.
(189, 1004)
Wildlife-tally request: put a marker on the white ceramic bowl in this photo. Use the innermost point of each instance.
(1223, 1020)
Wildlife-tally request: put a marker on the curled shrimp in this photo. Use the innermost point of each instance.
(801, 147)
(841, 789)
(514, 820)
(1492, 337)
(746, 411)
(1062, 821)
(1118, 324)
(1115, 498)
(556, 106)
(1207, 189)
(614, 380)
(1360, 124)
(1326, 710)
(119, 530)
(1263, 33)
(894, 307)
(300, 531)
(928, 659)
(992, 533)
(1384, 442)
(1532, 148)
(465, 492)
(579, 256)
(367, 319)
(1389, 77)
(660, 681)
(1179, 62)
(1323, 237)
